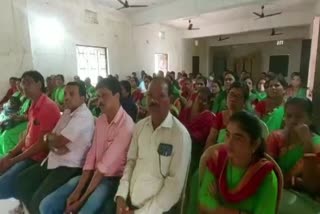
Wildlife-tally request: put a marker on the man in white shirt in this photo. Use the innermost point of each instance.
(158, 159)
(68, 144)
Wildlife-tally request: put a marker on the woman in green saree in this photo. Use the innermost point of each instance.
(260, 90)
(238, 95)
(220, 103)
(271, 110)
(295, 89)
(237, 177)
(58, 94)
(9, 138)
(295, 148)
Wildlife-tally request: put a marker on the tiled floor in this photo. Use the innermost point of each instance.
(7, 205)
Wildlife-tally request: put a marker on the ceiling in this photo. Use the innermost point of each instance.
(240, 13)
(152, 3)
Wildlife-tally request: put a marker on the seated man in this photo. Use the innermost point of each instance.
(43, 116)
(10, 92)
(69, 142)
(127, 102)
(105, 160)
(158, 159)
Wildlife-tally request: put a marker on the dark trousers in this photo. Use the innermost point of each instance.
(36, 182)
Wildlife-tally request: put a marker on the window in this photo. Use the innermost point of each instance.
(161, 62)
(92, 62)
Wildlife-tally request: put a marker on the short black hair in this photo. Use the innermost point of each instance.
(243, 86)
(279, 78)
(81, 86)
(60, 76)
(235, 76)
(126, 85)
(110, 83)
(36, 76)
(203, 79)
(13, 78)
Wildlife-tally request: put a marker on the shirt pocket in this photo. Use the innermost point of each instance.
(164, 164)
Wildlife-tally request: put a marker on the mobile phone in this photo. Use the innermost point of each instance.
(165, 149)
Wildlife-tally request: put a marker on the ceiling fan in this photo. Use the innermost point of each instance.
(126, 5)
(190, 27)
(223, 38)
(263, 15)
(275, 33)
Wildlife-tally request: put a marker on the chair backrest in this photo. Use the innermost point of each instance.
(279, 175)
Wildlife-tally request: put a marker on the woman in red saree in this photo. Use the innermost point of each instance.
(237, 97)
(198, 119)
(237, 177)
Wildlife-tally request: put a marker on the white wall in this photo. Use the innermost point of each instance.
(15, 51)
(147, 43)
(56, 27)
(266, 49)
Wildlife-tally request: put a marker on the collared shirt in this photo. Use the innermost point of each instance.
(78, 127)
(155, 182)
(42, 116)
(110, 144)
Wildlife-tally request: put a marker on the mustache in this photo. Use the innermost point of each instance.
(153, 103)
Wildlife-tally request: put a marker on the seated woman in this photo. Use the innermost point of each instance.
(142, 106)
(237, 97)
(296, 89)
(271, 109)
(220, 103)
(198, 120)
(295, 148)
(260, 90)
(237, 177)
(10, 135)
(58, 93)
(10, 108)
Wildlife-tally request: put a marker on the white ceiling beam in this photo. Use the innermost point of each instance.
(187, 8)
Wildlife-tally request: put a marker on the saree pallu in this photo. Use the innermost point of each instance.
(273, 119)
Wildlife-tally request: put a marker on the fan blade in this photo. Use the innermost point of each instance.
(190, 26)
(121, 2)
(138, 6)
(257, 14)
(273, 14)
(195, 28)
(121, 8)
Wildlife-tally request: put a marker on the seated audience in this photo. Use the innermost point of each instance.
(143, 106)
(10, 92)
(17, 124)
(51, 85)
(296, 89)
(126, 100)
(271, 109)
(105, 160)
(237, 97)
(198, 120)
(58, 94)
(43, 116)
(136, 92)
(68, 144)
(90, 90)
(252, 94)
(215, 89)
(295, 148)
(10, 108)
(260, 90)
(237, 177)
(76, 78)
(158, 159)
(220, 103)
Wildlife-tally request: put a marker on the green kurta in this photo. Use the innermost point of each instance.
(10, 138)
(274, 119)
(58, 95)
(264, 201)
(220, 102)
(91, 91)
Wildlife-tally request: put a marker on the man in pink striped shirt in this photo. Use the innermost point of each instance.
(105, 160)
